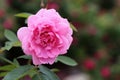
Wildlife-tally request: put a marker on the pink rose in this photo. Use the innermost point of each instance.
(47, 36)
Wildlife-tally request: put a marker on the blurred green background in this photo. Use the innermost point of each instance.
(96, 45)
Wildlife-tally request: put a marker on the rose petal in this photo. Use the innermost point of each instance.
(26, 46)
(22, 32)
(64, 28)
(64, 47)
(47, 60)
(42, 54)
(35, 59)
(32, 21)
(47, 13)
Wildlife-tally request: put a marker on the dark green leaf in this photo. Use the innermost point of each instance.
(55, 70)
(48, 73)
(40, 77)
(25, 57)
(8, 45)
(16, 62)
(73, 27)
(10, 35)
(32, 72)
(7, 67)
(6, 60)
(2, 74)
(23, 15)
(67, 60)
(36, 77)
(17, 73)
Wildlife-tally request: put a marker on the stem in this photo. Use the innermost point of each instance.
(47, 3)
(29, 61)
(1, 50)
(6, 60)
(37, 72)
(42, 4)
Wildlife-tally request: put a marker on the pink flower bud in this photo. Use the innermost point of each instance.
(53, 5)
(89, 64)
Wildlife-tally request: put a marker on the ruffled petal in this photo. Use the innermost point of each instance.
(64, 29)
(65, 46)
(47, 60)
(36, 60)
(32, 21)
(42, 53)
(22, 32)
(41, 12)
(26, 46)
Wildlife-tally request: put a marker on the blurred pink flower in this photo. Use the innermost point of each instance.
(8, 23)
(89, 64)
(47, 36)
(92, 30)
(105, 72)
(9, 2)
(2, 13)
(100, 54)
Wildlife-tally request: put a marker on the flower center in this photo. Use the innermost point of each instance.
(45, 37)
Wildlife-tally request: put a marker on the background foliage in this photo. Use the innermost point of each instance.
(96, 43)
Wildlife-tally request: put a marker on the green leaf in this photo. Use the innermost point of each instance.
(17, 73)
(40, 77)
(2, 74)
(6, 60)
(48, 73)
(10, 35)
(7, 67)
(16, 62)
(25, 57)
(73, 27)
(17, 44)
(55, 70)
(115, 69)
(36, 77)
(32, 72)
(8, 45)
(23, 15)
(67, 60)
